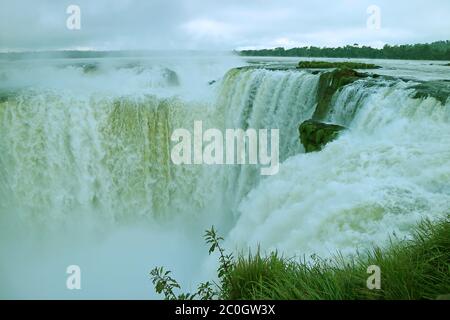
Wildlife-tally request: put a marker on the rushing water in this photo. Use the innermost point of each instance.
(86, 176)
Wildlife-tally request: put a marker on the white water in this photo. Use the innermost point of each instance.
(379, 179)
(86, 178)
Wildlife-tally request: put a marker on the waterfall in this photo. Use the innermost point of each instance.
(111, 156)
(386, 173)
(64, 155)
(261, 98)
(94, 150)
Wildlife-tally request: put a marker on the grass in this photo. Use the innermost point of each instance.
(328, 65)
(413, 269)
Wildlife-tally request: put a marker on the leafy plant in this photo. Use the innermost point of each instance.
(166, 285)
(225, 260)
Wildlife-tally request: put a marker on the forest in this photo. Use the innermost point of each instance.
(439, 50)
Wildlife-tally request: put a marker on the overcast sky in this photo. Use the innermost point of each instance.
(218, 24)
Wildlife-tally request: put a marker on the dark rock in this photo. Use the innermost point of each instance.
(440, 90)
(329, 84)
(5, 95)
(88, 68)
(171, 77)
(315, 135)
(137, 66)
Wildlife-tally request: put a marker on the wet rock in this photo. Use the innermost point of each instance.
(440, 90)
(136, 66)
(5, 95)
(90, 68)
(329, 84)
(314, 135)
(171, 77)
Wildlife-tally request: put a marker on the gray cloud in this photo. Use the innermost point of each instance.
(205, 24)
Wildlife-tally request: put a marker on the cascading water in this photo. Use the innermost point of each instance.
(101, 156)
(380, 178)
(258, 99)
(86, 176)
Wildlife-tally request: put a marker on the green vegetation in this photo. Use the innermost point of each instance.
(328, 65)
(166, 285)
(439, 50)
(415, 269)
(315, 135)
(88, 68)
(6, 94)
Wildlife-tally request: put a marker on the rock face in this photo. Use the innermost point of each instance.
(5, 95)
(315, 135)
(171, 77)
(329, 84)
(88, 68)
(440, 90)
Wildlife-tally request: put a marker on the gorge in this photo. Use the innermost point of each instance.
(86, 175)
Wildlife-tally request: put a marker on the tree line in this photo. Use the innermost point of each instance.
(439, 50)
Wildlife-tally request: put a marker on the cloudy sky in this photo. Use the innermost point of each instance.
(218, 24)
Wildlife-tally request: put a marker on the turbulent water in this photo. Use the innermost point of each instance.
(86, 176)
